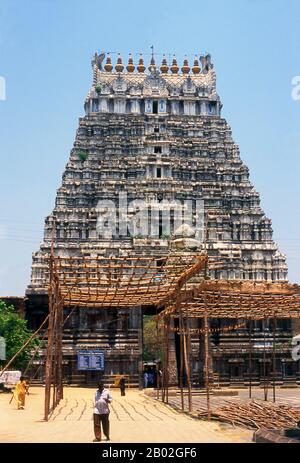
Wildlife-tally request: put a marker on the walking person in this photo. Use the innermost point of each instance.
(150, 378)
(20, 392)
(145, 379)
(101, 412)
(122, 385)
(159, 378)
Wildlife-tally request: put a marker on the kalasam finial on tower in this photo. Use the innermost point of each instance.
(174, 68)
(108, 66)
(130, 66)
(141, 67)
(164, 66)
(119, 66)
(185, 68)
(196, 67)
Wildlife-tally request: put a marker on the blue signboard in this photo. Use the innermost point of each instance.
(90, 359)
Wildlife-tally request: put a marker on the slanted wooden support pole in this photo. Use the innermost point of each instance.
(190, 367)
(186, 363)
(24, 346)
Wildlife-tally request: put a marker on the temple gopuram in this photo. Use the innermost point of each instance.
(153, 133)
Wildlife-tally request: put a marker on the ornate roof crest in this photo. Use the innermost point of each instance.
(119, 85)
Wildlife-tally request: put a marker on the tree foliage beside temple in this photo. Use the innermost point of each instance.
(15, 332)
(153, 340)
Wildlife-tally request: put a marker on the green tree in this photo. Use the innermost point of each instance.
(153, 339)
(15, 332)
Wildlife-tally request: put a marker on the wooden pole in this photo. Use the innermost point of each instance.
(49, 355)
(158, 379)
(163, 390)
(50, 338)
(207, 360)
(264, 360)
(190, 366)
(188, 359)
(207, 367)
(54, 356)
(274, 358)
(60, 308)
(250, 359)
(181, 360)
(167, 360)
(186, 364)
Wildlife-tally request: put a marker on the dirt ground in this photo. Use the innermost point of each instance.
(134, 418)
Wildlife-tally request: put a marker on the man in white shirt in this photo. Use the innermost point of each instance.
(101, 412)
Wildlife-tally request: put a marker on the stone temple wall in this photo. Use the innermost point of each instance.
(156, 136)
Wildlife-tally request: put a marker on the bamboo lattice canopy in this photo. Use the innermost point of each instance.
(125, 281)
(238, 299)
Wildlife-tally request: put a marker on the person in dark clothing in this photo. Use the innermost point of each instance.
(122, 385)
(159, 378)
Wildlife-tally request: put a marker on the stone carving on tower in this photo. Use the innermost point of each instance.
(158, 135)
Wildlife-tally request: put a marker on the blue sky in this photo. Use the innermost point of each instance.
(45, 52)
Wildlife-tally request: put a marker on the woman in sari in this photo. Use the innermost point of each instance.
(20, 391)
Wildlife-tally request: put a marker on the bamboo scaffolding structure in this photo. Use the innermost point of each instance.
(137, 281)
(108, 282)
(233, 300)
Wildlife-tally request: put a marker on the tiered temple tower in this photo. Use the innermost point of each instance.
(154, 135)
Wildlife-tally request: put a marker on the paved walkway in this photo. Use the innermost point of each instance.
(134, 418)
